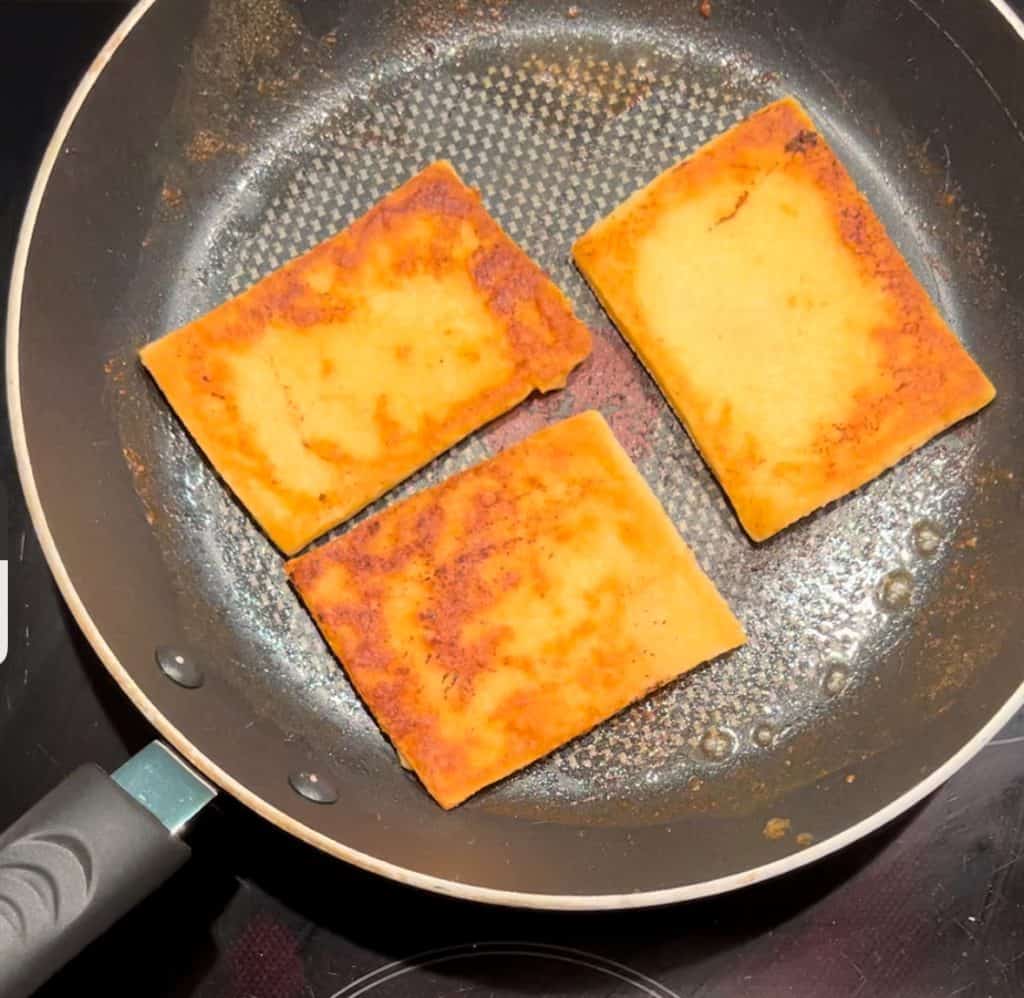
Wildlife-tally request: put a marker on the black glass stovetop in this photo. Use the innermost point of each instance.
(932, 906)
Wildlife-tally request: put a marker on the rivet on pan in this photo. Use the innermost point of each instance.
(895, 589)
(927, 536)
(718, 743)
(314, 787)
(179, 667)
(836, 679)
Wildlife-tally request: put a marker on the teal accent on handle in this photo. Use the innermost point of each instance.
(165, 786)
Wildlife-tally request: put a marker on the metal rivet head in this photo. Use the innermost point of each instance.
(718, 743)
(895, 590)
(313, 786)
(836, 678)
(179, 667)
(927, 537)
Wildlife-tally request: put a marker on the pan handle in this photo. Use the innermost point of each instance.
(86, 854)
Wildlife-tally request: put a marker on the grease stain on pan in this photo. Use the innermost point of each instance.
(554, 140)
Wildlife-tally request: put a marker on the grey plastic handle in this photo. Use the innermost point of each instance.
(76, 862)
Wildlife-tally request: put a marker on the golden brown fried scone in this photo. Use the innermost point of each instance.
(341, 373)
(762, 292)
(490, 619)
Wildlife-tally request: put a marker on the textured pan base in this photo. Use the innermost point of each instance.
(551, 160)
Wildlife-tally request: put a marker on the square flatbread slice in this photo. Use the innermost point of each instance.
(341, 373)
(762, 292)
(490, 619)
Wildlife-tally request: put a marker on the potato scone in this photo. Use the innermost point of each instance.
(762, 292)
(341, 373)
(493, 617)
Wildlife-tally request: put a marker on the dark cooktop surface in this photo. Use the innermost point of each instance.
(931, 906)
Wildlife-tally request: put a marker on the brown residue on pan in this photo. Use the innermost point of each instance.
(990, 475)
(804, 839)
(134, 462)
(114, 368)
(609, 380)
(963, 628)
(116, 371)
(967, 234)
(246, 57)
(613, 88)
(776, 828)
(172, 197)
(204, 146)
(142, 483)
(244, 52)
(704, 8)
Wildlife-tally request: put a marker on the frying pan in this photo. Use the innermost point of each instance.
(211, 141)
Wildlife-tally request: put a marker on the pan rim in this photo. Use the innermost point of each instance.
(284, 821)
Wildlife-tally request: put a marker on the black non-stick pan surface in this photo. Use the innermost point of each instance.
(211, 141)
